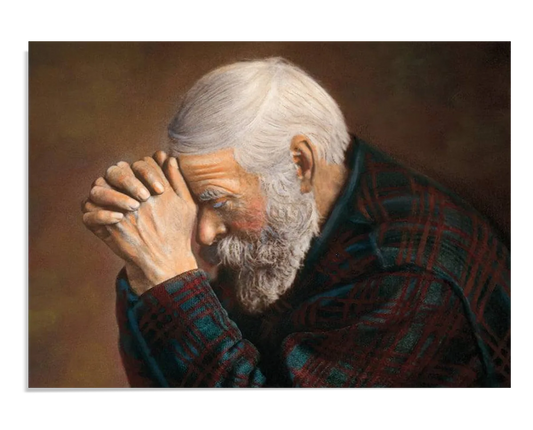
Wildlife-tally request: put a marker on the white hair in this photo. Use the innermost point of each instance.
(257, 107)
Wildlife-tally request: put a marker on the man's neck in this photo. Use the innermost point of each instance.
(330, 180)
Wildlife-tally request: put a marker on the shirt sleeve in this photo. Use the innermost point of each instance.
(177, 334)
(386, 330)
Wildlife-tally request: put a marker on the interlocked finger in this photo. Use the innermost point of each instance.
(150, 174)
(160, 158)
(101, 217)
(112, 199)
(86, 204)
(121, 177)
(176, 180)
(101, 182)
(97, 220)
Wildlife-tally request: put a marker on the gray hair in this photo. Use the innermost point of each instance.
(257, 107)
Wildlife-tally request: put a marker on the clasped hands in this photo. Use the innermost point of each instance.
(146, 215)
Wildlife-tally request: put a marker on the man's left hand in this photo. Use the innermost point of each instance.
(157, 237)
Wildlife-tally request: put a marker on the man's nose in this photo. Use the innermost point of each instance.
(210, 227)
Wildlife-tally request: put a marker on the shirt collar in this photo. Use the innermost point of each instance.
(342, 205)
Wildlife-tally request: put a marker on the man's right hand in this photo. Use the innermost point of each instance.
(118, 192)
(122, 189)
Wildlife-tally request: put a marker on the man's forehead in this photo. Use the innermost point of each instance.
(220, 167)
(224, 158)
(205, 164)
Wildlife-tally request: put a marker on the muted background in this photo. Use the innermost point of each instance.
(441, 108)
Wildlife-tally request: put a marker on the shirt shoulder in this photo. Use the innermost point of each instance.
(413, 220)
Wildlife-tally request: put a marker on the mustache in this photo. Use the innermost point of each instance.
(263, 252)
(238, 251)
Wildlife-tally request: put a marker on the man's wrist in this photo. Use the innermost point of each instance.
(158, 275)
(137, 279)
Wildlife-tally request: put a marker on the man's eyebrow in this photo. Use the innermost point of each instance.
(212, 194)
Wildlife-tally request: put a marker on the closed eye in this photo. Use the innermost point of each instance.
(219, 204)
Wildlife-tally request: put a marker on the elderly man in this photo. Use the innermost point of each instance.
(336, 266)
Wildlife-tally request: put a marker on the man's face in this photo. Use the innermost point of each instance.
(230, 200)
(260, 235)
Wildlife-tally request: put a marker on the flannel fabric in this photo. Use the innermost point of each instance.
(406, 286)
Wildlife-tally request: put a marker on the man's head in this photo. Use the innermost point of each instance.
(256, 142)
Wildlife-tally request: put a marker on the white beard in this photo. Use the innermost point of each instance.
(267, 266)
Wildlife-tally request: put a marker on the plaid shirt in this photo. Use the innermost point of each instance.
(407, 286)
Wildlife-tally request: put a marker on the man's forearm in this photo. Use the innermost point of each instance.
(183, 336)
(143, 279)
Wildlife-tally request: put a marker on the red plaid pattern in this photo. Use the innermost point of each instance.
(407, 285)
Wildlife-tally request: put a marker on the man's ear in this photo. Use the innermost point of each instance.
(304, 156)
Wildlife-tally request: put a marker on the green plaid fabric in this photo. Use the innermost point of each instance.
(406, 286)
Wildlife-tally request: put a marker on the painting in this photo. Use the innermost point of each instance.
(443, 107)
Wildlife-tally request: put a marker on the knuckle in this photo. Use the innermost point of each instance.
(99, 181)
(86, 206)
(95, 192)
(137, 165)
(110, 170)
(86, 219)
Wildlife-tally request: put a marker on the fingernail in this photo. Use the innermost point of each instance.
(117, 216)
(144, 194)
(134, 205)
(173, 163)
(158, 186)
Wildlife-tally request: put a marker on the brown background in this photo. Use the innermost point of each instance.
(443, 108)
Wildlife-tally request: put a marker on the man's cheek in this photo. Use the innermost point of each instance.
(252, 220)
(248, 225)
